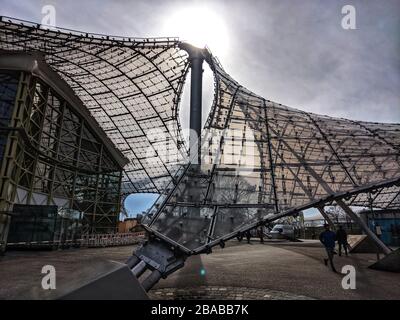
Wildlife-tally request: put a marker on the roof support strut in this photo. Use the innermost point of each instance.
(196, 58)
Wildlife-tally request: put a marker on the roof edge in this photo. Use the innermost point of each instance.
(35, 64)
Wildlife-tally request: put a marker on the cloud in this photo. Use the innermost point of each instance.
(292, 52)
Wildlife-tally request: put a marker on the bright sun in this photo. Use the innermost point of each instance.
(199, 26)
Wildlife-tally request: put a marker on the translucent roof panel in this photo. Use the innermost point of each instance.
(262, 161)
(130, 86)
(301, 157)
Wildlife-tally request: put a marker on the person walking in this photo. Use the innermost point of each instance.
(341, 237)
(328, 239)
(248, 236)
(261, 234)
(313, 235)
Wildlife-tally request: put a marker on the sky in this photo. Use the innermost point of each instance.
(292, 52)
(138, 203)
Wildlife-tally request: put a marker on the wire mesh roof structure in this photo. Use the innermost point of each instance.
(260, 160)
(306, 156)
(130, 86)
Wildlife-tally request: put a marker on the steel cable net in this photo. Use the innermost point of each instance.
(130, 86)
(262, 160)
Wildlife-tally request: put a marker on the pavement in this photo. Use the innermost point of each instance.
(222, 293)
(278, 270)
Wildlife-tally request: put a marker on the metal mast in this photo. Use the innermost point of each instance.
(196, 58)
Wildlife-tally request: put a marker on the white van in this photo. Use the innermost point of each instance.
(282, 231)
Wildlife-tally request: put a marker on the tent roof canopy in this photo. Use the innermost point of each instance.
(132, 88)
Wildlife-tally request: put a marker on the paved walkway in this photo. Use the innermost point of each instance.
(222, 293)
(254, 271)
(295, 268)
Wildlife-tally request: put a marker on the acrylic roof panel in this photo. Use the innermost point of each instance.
(262, 161)
(130, 86)
(307, 156)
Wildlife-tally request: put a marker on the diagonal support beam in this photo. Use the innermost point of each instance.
(332, 149)
(341, 204)
(271, 162)
(364, 226)
(326, 217)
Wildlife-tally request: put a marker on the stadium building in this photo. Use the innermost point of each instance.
(57, 164)
(88, 119)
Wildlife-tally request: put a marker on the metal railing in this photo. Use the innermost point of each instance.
(113, 239)
(88, 241)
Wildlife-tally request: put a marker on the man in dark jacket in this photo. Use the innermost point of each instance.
(248, 236)
(341, 237)
(328, 239)
(261, 234)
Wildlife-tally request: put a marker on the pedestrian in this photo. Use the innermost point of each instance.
(328, 239)
(341, 237)
(248, 236)
(313, 235)
(261, 234)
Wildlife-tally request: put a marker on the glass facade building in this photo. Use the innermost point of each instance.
(51, 156)
(87, 119)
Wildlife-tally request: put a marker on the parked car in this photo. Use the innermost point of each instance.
(282, 231)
